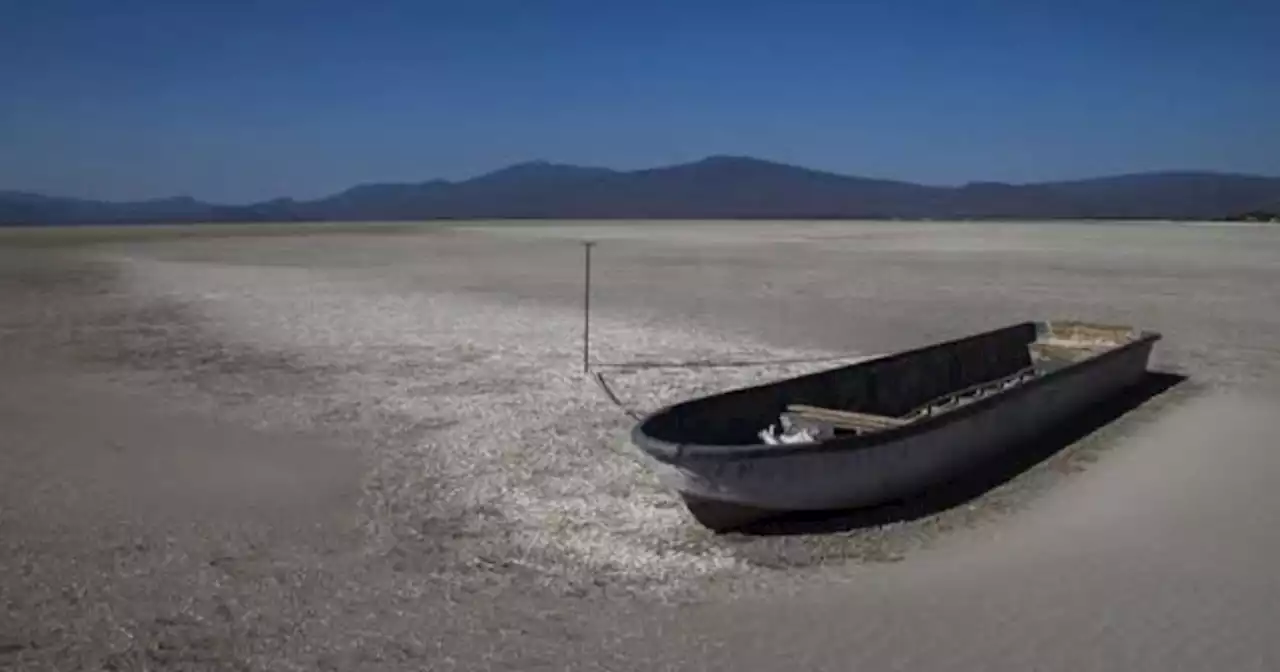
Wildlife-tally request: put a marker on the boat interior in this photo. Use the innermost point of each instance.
(890, 391)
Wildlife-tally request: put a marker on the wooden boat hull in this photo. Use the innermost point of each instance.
(727, 481)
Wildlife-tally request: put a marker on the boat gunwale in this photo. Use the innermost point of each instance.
(673, 453)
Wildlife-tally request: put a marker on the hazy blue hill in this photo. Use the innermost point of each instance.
(535, 189)
(376, 201)
(715, 187)
(728, 186)
(1180, 195)
(26, 208)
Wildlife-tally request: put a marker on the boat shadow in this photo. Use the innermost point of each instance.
(983, 478)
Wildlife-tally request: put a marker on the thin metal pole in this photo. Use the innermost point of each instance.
(586, 307)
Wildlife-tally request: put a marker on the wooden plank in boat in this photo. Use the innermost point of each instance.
(846, 419)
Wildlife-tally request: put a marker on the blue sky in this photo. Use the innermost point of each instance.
(238, 101)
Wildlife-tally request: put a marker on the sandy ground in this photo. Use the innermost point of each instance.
(376, 451)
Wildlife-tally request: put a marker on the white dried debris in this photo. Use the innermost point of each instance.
(792, 432)
(521, 455)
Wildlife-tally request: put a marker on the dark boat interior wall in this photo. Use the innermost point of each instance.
(891, 385)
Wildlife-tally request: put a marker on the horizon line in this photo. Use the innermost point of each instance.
(626, 171)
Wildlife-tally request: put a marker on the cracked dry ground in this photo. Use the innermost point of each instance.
(325, 472)
(376, 452)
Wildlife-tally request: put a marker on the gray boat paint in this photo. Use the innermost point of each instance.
(727, 485)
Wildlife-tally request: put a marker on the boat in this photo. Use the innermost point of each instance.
(888, 428)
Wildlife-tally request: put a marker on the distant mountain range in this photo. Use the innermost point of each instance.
(719, 187)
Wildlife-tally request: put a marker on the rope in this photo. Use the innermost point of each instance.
(696, 364)
(724, 364)
(608, 392)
